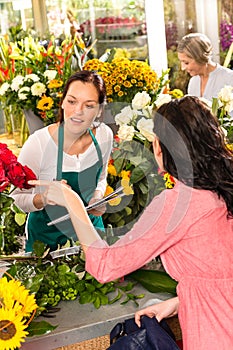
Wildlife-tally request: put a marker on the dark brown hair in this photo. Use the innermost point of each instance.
(194, 148)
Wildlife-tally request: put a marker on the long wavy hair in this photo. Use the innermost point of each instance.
(194, 148)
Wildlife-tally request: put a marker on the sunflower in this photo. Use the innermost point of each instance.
(22, 296)
(16, 297)
(12, 330)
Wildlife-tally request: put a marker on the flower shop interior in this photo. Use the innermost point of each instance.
(71, 310)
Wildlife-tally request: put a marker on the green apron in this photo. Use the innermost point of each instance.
(84, 183)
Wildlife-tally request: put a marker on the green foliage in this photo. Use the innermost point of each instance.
(135, 157)
(65, 278)
(12, 225)
(155, 281)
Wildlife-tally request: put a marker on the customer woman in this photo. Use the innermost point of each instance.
(75, 149)
(207, 76)
(189, 226)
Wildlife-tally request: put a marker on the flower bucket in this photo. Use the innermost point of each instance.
(34, 122)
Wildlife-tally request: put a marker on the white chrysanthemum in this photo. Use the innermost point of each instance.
(126, 132)
(141, 100)
(50, 74)
(17, 82)
(38, 89)
(162, 98)
(4, 87)
(145, 126)
(33, 77)
(23, 93)
(125, 116)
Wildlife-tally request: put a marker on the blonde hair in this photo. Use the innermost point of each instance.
(197, 46)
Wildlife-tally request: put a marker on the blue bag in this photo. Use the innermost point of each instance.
(152, 335)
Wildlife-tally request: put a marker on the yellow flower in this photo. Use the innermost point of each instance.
(45, 103)
(124, 77)
(125, 174)
(55, 83)
(176, 93)
(108, 191)
(12, 330)
(128, 189)
(169, 181)
(17, 297)
(230, 146)
(112, 170)
(114, 201)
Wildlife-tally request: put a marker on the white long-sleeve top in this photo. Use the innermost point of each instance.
(40, 154)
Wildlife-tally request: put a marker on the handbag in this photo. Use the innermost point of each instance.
(152, 335)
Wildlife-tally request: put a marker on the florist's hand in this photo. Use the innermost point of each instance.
(99, 211)
(55, 193)
(165, 309)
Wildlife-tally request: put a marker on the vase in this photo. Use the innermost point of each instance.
(33, 121)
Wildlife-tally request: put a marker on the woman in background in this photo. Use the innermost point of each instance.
(75, 149)
(207, 76)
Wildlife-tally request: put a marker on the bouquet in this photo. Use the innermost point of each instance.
(12, 174)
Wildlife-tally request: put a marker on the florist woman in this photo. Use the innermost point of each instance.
(75, 149)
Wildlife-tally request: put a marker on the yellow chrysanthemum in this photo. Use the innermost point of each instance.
(12, 330)
(112, 170)
(128, 189)
(230, 146)
(45, 103)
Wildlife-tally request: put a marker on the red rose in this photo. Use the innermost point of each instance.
(4, 182)
(29, 175)
(6, 155)
(16, 174)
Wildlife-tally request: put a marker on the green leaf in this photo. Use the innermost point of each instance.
(38, 248)
(85, 298)
(155, 281)
(118, 297)
(20, 218)
(39, 328)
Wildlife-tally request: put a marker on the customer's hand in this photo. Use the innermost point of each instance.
(165, 309)
(55, 191)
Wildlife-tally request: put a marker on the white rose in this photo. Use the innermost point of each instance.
(225, 94)
(32, 77)
(229, 106)
(126, 132)
(38, 89)
(140, 100)
(162, 98)
(50, 74)
(148, 111)
(4, 87)
(17, 82)
(125, 116)
(23, 93)
(145, 126)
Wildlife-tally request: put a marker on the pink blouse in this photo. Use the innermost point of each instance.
(189, 229)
